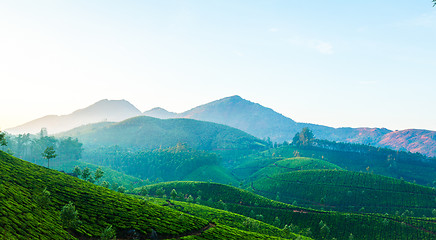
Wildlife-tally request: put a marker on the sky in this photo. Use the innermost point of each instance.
(335, 63)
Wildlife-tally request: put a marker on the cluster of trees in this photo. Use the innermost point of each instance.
(87, 175)
(172, 163)
(41, 148)
(304, 138)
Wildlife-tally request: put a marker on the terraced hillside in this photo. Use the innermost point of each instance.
(293, 164)
(227, 218)
(409, 166)
(349, 192)
(24, 214)
(315, 223)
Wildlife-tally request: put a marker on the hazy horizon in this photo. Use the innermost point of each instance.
(143, 110)
(339, 64)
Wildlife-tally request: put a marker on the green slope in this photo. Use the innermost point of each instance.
(354, 157)
(212, 173)
(23, 217)
(308, 221)
(114, 178)
(348, 191)
(151, 133)
(227, 218)
(293, 164)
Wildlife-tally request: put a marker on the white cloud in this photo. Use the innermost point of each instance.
(274, 30)
(323, 47)
(318, 45)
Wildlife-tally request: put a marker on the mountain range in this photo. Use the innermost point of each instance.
(234, 111)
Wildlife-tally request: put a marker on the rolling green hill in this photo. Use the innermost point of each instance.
(355, 157)
(25, 212)
(348, 192)
(212, 173)
(308, 221)
(293, 164)
(152, 133)
(228, 218)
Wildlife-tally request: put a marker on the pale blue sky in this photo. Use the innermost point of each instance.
(336, 63)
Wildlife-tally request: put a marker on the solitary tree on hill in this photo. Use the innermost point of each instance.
(2, 139)
(303, 138)
(173, 194)
(48, 154)
(69, 216)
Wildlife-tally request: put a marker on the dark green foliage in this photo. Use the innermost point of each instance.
(77, 171)
(97, 207)
(228, 218)
(69, 216)
(293, 164)
(3, 141)
(355, 157)
(108, 233)
(98, 174)
(304, 138)
(43, 198)
(348, 191)
(173, 193)
(339, 225)
(173, 163)
(86, 174)
(30, 147)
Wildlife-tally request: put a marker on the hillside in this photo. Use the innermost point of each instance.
(253, 118)
(348, 192)
(293, 164)
(263, 122)
(305, 221)
(411, 167)
(151, 133)
(250, 117)
(413, 140)
(26, 215)
(101, 111)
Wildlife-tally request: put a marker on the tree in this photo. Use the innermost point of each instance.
(303, 138)
(86, 173)
(173, 194)
(160, 192)
(98, 174)
(108, 233)
(70, 149)
(77, 171)
(105, 184)
(70, 217)
(121, 189)
(144, 191)
(48, 154)
(43, 199)
(3, 139)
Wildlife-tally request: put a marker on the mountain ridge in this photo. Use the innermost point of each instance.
(253, 118)
(101, 111)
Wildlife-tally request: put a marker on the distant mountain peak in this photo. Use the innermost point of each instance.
(101, 111)
(159, 112)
